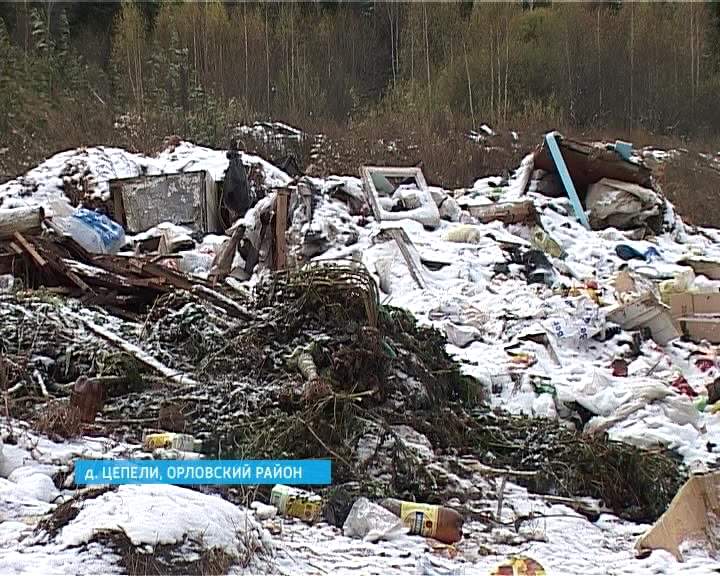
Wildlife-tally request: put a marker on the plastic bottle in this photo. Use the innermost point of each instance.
(172, 440)
(428, 520)
(297, 503)
(93, 231)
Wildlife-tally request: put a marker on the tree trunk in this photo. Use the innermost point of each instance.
(392, 43)
(492, 80)
(467, 74)
(632, 61)
(267, 62)
(507, 67)
(427, 51)
(246, 51)
(599, 73)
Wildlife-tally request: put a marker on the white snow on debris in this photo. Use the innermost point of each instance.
(164, 514)
(98, 165)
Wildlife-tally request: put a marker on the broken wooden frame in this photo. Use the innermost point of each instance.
(373, 195)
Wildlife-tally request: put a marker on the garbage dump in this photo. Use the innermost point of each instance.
(484, 372)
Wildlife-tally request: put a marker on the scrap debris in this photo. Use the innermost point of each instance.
(441, 347)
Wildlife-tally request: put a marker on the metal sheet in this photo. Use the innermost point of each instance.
(149, 200)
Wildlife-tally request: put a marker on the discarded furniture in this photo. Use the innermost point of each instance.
(187, 198)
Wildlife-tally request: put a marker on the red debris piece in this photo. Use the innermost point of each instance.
(682, 386)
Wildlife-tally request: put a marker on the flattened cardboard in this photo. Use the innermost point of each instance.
(689, 516)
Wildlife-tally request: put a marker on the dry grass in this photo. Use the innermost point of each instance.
(67, 511)
(692, 183)
(449, 158)
(58, 419)
(164, 559)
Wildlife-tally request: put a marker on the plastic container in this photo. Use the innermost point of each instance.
(428, 520)
(171, 440)
(93, 231)
(296, 503)
(543, 241)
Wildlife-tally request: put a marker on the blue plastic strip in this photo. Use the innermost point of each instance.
(565, 177)
(196, 472)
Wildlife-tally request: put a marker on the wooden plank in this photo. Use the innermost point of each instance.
(413, 264)
(118, 208)
(281, 217)
(561, 167)
(29, 249)
(223, 259)
(138, 353)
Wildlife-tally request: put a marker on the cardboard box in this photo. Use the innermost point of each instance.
(646, 313)
(697, 316)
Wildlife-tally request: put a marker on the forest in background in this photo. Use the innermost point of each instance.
(131, 73)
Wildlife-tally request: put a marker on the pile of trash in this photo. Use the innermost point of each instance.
(557, 328)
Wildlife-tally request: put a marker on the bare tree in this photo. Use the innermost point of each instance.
(427, 50)
(267, 60)
(469, 85)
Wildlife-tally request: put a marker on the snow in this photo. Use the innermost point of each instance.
(163, 514)
(98, 165)
(489, 314)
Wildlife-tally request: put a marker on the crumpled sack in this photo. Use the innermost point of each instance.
(622, 205)
(371, 522)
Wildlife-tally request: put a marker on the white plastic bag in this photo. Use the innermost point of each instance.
(371, 522)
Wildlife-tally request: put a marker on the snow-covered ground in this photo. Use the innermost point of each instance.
(466, 296)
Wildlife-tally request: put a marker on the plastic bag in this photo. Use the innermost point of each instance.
(577, 329)
(93, 231)
(371, 522)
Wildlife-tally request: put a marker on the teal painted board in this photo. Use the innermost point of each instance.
(565, 177)
(624, 149)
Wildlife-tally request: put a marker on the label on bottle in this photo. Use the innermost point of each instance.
(420, 519)
(183, 442)
(296, 503)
